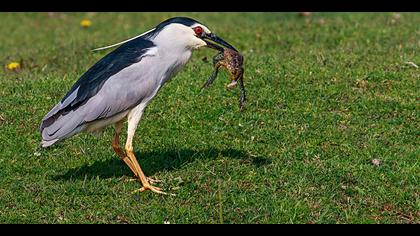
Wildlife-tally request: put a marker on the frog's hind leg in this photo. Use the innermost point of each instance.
(212, 77)
(242, 98)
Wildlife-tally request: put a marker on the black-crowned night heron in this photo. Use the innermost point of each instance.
(120, 85)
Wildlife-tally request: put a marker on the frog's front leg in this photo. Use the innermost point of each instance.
(218, 57)
(235, 75)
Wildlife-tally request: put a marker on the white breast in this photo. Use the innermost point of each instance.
(174, 61)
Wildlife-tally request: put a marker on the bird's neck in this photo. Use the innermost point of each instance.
(174, 61)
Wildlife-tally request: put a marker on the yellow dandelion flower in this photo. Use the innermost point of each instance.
(13, 66)
(85, 23)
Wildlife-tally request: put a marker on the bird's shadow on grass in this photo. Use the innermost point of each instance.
(155, 161)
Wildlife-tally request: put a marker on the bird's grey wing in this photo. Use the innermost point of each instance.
(119, 93)
(124, 90)
(92, 80)
(104, 90)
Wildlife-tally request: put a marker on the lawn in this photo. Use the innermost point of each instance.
(330, 133)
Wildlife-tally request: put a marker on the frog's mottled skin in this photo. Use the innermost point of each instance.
(232, 61)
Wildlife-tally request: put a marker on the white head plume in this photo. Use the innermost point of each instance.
(113, 45)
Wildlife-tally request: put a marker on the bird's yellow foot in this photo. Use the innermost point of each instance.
(150, 180)
(153, 189)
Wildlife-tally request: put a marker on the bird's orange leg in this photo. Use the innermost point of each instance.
(143, 179)
(118, 150)
(133, 120)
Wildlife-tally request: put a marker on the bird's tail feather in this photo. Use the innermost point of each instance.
(59, 127)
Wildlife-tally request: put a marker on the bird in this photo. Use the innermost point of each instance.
(120, 85)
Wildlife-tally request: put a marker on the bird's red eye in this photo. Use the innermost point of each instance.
(198, 30)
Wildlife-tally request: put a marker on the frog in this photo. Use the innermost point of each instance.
(232, 61)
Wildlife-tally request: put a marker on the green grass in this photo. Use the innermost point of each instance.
(326, 96)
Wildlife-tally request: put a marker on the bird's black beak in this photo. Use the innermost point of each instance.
(218, 40)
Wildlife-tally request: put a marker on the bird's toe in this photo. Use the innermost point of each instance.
(152, 181)
(153, 189)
